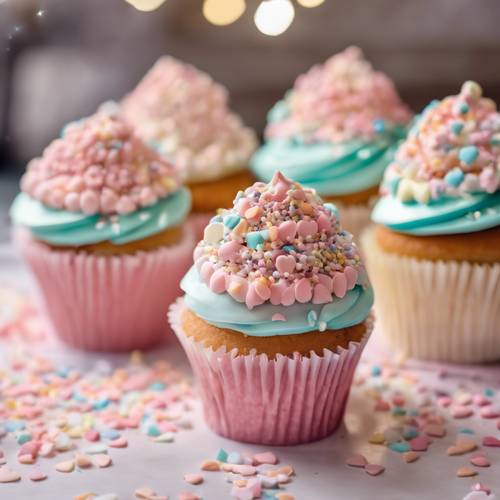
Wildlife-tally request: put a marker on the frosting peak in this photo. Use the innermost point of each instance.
(99, 165)
(279, 244)
(453, 150)
(185, 115)
(341, 100)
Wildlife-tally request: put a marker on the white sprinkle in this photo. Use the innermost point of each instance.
(144, 216)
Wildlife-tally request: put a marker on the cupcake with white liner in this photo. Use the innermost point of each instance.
(182, 113)
(434, 256)
(99, 222)
(275, 315)
(336, 131)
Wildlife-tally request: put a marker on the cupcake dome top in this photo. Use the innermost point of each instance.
(452, 150)
(343, 99)
(280, 244)
(184, 114)
(99, 165)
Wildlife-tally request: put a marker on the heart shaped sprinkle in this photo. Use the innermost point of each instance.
(480, 461)
(357, 460)
(374, 469)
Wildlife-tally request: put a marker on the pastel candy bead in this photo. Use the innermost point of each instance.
(252, 298)
(288, 296)
(254, 239)
(213, 233)
(285, 263)
(238, 288)
(207, 269)
(263, 291)
(454, 177)
(324, 223)
(321, 294)
(218, 281)
(339, 285)
(89, 202)
(326, 281)
(242, 206)
(277, 292)
(307, 228)
(303, 291)
(351, 276)
(230, 251)
(287, 230)
(468, 154)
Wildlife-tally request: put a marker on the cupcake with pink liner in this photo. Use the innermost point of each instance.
(183, 114)
(336, 131)
(99, 222)
(275, 315)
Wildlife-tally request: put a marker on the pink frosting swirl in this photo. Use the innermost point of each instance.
(279, 243)
(99, 166)
(340, 100)
(185, 115)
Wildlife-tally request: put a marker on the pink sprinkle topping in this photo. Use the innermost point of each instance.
(100, 166)
(453, 149)
(340, 100)
(184, 114)
(294, 250)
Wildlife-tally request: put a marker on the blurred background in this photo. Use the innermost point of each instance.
(61, 58)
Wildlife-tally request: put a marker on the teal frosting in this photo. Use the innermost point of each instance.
(223, 311)
(330, 168)
(59, 227)
(447, 215)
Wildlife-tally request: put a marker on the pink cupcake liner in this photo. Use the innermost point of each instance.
(198, 222)
(102, 303)
(282, 401)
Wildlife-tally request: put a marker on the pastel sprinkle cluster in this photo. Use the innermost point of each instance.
(184, 114)
(343, 99)
(279, 243)
(416, 415)
(454, 149)
(99, 165)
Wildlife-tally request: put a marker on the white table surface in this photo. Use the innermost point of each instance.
(321, 473)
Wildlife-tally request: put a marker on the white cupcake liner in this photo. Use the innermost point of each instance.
(435, 310)
(100, 303)
(281, 401)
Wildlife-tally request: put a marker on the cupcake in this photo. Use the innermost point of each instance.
(99, 222)
(275, 315)
(336, 131)
(183, 114)
(434, 256)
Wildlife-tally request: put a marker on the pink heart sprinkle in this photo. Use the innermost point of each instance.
(287, 231)
(285, 263)
(489, 412)
(102, 460)
(307, 228)
(461, 411)
(420, 443)
(444, 401)
(193, 478)
(8, 476)
(357, 460)
(92, 435)
(491, 441)
(321, 294)
(374, 469)
(435, 430)
(37, 475)
(351, 276)
(278, 317)
(481, 400)
(480, 461)
(267, 457)
(120, 442)
(303, 291)
(339, 284)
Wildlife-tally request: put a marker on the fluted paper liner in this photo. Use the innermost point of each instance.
(435, 310)
(282, 401)
(102, 303)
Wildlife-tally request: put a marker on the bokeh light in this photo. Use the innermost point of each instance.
(274, 17)
(310, 3)
(223, 12)
(146, 5)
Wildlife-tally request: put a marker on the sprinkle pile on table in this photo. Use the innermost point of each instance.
(418, 415)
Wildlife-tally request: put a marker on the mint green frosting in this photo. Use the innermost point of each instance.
(447, 215)
(223, 311)
(331, 169)
(59, 227)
